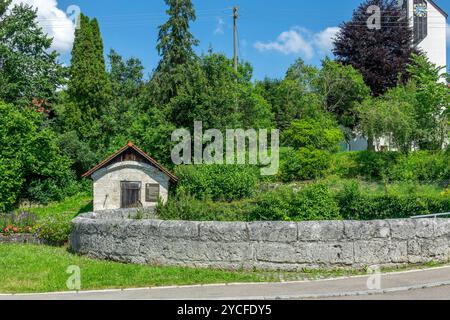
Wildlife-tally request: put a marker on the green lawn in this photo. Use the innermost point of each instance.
(28, 268)
(32, 269)
(71, 206)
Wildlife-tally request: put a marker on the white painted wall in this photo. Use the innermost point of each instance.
(435, 44)
(107, 190)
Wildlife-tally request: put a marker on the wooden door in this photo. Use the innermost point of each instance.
(130, 194)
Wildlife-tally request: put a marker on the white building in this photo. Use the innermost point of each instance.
(129, 179)
(429, 24)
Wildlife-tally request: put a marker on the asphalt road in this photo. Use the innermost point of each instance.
(417, 285)
(437, 293)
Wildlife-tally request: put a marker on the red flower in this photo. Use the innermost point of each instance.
(15, 230)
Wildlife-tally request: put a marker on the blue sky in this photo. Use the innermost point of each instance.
(131, 28)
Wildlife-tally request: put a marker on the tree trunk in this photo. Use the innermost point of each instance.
(370, 143)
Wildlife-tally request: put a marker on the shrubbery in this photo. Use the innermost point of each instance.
(311, 143)
(218, 182)
(30, 159)
(55, 229)
(186, 207)
(326, 200)
(304, 164)
(313, 202)
(420, 166)
(423, 167)
(356, 204)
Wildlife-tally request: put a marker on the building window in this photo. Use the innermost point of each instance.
(420, 20)
(152, 192)
(130, 194)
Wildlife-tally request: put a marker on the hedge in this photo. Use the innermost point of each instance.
(218, 182)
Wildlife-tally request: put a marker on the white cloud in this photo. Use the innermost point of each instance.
(220, 26)
(323, 41)
(55, 22)
(301, 41)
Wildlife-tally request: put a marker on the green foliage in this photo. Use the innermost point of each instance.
(421, 166)
(315, 202)
(126, 77)
(312, 202)
(306, 92)
(28, 68)
(186, 207)
(304, 164)
(411, 114)
(273, 205)
(341, 88)
(175, 46)
(55, 230)
(30, 157)
(218, 182)
(432, 97)
(10, 183)
(89, 88)
(320, 133)
(214, 94)
(359, 205)
(391, 116)
(51, 188)
(368, 165)
(83, 158)
(312, 142)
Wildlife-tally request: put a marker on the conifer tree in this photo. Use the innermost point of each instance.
(175, 46)
(88, 86)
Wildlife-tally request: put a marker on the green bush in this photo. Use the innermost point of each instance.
(186, 207)
(374, 165)
(54, 189)
(304, 164)
(29, 154)
(320, 133)
(274, 205)
(422, 166)
(55, 230)
(10, 183)
(312, 202)
(356, 204)
(315, 202)
(218, 182)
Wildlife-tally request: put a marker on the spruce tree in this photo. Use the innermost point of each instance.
(175, 46)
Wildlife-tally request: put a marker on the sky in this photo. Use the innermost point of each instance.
(272, 33)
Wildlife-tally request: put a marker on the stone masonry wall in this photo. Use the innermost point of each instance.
(284, 246)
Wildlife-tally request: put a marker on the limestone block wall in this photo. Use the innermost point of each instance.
(287, 246)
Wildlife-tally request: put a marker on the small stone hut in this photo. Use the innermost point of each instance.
(129, 179)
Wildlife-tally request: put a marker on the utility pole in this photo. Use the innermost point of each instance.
(235, 17)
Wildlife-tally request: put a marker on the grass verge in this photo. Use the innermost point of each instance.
(30, 269)
(33, 269)
(70, 207)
